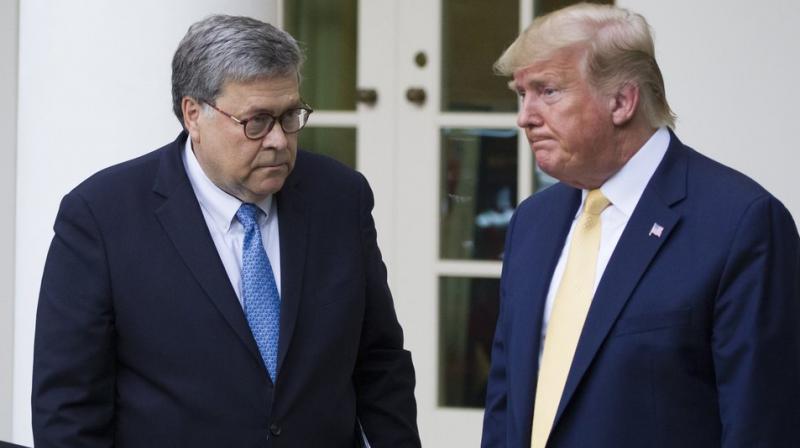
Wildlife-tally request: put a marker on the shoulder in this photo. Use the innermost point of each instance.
(715, 189)
(721, 181)
(126, 189)
(717, 202)
(134, 175)
(735, 196)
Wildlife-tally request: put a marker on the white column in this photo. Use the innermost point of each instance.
(94, 90)
(9, 14)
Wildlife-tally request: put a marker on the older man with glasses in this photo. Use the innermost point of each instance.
(226, 289)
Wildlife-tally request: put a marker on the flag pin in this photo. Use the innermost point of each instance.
(656, 230)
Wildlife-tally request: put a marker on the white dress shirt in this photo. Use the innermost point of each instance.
(623, 189)
(219, 210)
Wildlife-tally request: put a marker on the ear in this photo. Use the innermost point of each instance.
(625, 103)
(192, 110)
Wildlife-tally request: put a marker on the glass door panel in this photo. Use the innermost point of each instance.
(478, 191)
(473, 35)
(327, 30)
(468, 309)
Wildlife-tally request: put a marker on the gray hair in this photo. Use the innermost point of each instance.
(221, 48)
(618, 49)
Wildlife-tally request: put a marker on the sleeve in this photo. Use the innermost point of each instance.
(756, 333)
(384, 375)
(73, 362)
(494, 417)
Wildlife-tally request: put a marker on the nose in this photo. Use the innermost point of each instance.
(529, 114)
(276, 138)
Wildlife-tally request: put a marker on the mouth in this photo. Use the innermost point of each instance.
(537, 141)
(273, 166)
(536, 138)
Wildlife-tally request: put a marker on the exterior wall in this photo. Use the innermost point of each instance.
(9, 14)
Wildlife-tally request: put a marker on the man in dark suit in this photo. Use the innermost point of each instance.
(652, 297)
(226, 289)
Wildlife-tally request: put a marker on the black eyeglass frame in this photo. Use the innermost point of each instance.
(279, 119)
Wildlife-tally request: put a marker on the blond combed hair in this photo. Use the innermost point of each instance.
(618, 48)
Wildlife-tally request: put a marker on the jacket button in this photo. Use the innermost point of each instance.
(275, 429)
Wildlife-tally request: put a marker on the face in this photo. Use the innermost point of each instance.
(248, 169)
(568, 124)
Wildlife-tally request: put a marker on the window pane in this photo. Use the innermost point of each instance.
(326, 30)
(478, 191)
(473, 37)
(468, 309)
(339, 143)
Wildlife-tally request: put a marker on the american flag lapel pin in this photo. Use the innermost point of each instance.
(656, 230)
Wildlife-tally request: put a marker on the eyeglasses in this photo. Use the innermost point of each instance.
(257, 127)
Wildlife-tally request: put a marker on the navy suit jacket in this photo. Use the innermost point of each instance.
(693, 336)
(141, 341)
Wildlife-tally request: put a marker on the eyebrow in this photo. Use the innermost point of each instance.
(540, 78)
(261, 110)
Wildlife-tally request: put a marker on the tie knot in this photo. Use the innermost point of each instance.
(596, 202)
(248, 214)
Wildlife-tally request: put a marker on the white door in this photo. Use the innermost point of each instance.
(404, 91)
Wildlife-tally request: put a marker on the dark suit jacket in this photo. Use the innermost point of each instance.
(10, 445)
(141, 342)
(692, 338)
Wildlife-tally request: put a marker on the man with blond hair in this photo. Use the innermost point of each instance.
(651, 297)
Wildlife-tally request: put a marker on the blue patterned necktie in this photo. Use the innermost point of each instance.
(262, 302)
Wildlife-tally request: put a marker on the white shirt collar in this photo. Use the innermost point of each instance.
(221, 206)
(625, 187)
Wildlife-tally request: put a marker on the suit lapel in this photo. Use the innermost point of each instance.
(183, 221)
(292, 222)
(542, 239)
(634, 253)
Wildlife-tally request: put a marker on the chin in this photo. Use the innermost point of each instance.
(271, 186)
(546, 165)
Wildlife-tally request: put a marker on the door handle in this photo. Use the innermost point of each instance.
(416, 95)
(367, 96)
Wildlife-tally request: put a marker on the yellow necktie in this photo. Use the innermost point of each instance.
(569, 313)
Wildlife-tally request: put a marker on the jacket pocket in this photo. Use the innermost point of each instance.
(652, 322)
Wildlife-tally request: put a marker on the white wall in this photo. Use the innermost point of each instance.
(8, 151)
(731, 70)
(94, 90)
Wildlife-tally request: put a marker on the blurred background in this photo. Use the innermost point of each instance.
(403, 91)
